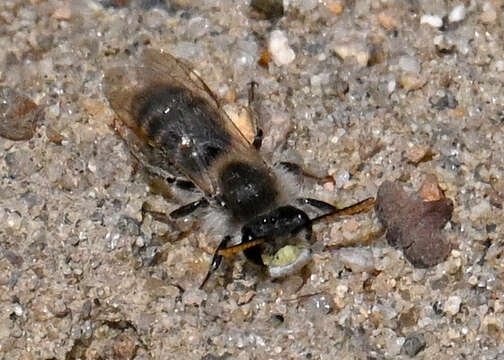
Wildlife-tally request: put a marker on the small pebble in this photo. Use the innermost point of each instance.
(350, 225)
(18, 115)
(270, 9)
(341, 290)
(430, 190)
(194, 297)
(305, 6)
(388, 20)
(62, 13)
(410, 81)
(473, 280)
(457, 14)
(413, 345)
(356, 259)
(335, 6)
(489, 14)
(14, 220)
(499, 65)
(443, 99)
(329, 186)
(18, 309)
(480, 210)
(264, 58)
(452, 305)
(418, 153)
(341, 179)
(353, 49)
(279, 48)
(124, 346)
(198, 26)
(409, 64)
(139, 242)
(391, 86)
(490, 228)
(92, 166)
(59, 309)
(432, 20)
(246, 297)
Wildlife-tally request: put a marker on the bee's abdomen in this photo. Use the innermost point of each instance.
(182, 125)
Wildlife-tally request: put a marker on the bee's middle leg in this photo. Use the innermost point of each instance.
(188, 208)
(182, 211)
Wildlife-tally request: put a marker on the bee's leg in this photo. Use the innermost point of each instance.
(216, 260)
(258, 138)
(156, 215)
(309, 232)
(361, 206)
(185, 185)
(250, 247)
(321, 205)
(175, 233)
(168, 186)
(188, 208)
(299, 171)
(253, 254)
(175, 214)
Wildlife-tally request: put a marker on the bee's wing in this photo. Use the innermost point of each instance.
(169, 67)
(177, 70)
(199, 136)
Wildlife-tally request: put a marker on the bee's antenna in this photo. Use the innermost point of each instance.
(359, 207)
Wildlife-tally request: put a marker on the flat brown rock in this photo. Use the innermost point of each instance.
(18, 115)
(414, 225)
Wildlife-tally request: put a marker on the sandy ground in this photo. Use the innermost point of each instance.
(359, 90)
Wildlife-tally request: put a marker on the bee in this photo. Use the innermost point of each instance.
(178, 131)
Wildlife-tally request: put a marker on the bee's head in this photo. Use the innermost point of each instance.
(280, 222)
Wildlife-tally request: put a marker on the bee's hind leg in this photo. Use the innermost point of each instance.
(250, 246)
(216, 260)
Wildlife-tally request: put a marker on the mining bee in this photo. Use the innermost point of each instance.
(178, 132)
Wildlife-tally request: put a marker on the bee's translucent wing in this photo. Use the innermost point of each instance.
(164, 63)
(167, 66)
(174, 114)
